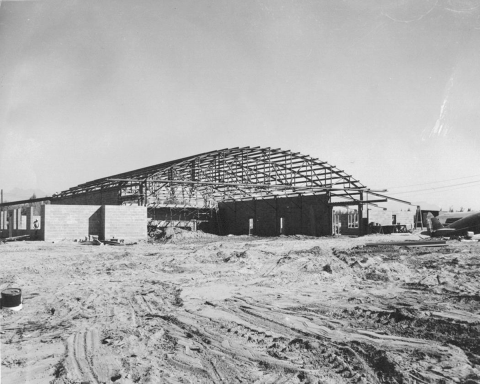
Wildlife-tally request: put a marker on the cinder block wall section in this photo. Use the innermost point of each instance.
(124, 222)
(379, 216)
(69, 221)
(384, 217)
(405, 217)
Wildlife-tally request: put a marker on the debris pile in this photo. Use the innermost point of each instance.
(173, 234)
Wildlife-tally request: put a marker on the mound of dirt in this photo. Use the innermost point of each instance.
(172, 234)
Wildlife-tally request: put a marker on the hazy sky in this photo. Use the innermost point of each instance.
(388, 91)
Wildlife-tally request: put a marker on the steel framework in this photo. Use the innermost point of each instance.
(202, 181)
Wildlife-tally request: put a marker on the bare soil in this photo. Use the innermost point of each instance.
(242, 310)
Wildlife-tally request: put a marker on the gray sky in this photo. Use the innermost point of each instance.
(388, 90)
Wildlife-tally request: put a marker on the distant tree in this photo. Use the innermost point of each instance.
(469, 210)
(33, 196)
(450, 209)
(461, 209)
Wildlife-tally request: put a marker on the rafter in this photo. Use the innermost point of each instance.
(225, 175)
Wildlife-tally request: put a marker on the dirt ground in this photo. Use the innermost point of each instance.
(242, 310)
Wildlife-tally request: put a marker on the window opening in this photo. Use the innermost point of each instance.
(352, 219)
(282, 226)
(336, 223)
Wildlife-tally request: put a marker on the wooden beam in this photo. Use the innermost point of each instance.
(8, 203)
(390, 198)
(356, 202)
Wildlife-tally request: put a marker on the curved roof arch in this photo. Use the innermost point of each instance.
(227, 174)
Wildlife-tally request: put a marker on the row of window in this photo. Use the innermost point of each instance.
(352, 220)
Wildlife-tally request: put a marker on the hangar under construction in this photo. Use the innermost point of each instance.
(258, 191)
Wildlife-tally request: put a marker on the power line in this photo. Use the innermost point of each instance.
(453, 186)
(434, 182)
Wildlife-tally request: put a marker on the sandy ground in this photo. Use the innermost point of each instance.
(242, 310)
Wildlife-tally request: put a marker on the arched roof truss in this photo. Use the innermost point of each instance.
(229, 174)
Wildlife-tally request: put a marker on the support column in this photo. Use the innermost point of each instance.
(140, 193)
(330, 213)
(15, 222)
(2, 222)
(254, 217)
(277, 225)
(11, 222)
(367, 230)
(29, 220)
(361, 228)
(43, 222)
(18, 225)
(302, 231)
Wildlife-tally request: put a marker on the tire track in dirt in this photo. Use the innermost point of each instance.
(242, 343)
(329, 350)
(201, 352)
(87, 361)
(179, 352)
(77, 353)
(393, 342)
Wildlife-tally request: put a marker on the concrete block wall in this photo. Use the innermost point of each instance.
(380, 216)
(384, 217)
(106, 221)
(405, 217)
(124, 222)
(69, 221)
(308, 215)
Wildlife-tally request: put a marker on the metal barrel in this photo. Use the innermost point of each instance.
(11, 297)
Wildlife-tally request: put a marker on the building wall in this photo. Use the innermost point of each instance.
(69, 221)
(124, 222)
(384, 217)
(404, 217)
(80, 221)
(379, 216)
(308, 215)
